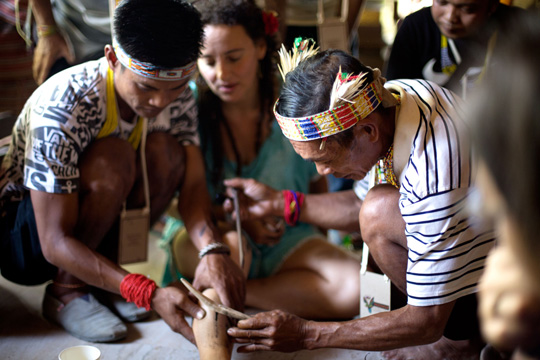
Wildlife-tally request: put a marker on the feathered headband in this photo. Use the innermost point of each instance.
(351, 99)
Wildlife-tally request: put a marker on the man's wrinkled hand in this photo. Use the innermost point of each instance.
(275, 330)
(256, 199)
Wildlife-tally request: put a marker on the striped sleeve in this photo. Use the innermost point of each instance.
(446, 251)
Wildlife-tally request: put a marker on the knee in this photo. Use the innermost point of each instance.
(108, 167)
(377, 212)
(166, 160)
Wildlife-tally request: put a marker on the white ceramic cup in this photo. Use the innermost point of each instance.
(80, 352)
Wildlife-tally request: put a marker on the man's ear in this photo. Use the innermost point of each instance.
(368, 130)
(110, 55)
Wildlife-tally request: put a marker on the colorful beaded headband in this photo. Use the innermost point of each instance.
(151, 71)
(350, 99)
(331, 121)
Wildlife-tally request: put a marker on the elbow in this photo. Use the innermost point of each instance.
(430, 324)
(50, 252)
(431, 333)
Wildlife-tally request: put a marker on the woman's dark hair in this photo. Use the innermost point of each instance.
(506, 127)
(248, 15)
(165, 33)
(307, 88)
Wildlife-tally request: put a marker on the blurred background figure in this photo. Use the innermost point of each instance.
(69, 32)
(449, 43)
(39, 38)
(506, 120)
(16, 82)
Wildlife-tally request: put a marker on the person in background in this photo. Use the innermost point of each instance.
(340, 115)
(112, 134)
(506, 123)
(74, 31)
(69, 32)
(16, 82)
(449, 43)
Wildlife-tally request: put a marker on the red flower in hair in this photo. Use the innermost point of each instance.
(271, 23)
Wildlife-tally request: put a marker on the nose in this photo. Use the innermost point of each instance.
(161, 99)
(222, 71)
(323, 169)
(452, 14)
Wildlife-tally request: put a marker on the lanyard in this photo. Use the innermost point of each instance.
(448, 66)
(137, 136)
(111, 122)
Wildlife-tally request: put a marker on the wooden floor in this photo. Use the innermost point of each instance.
(25, 335)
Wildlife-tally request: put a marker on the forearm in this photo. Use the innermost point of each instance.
(42, 11)
(89, 266)
(383, 331)
(57, 216)
(198, 221)
(336, 210)
(194, 203)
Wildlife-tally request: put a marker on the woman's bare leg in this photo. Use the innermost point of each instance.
(318, 281)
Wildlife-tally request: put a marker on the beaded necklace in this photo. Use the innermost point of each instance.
(385, 166)
(385, 169)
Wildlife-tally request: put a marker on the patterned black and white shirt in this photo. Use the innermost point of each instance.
(62, 118)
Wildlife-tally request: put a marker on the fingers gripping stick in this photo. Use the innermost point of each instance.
(219, 308)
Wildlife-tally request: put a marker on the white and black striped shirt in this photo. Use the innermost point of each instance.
(447, 249)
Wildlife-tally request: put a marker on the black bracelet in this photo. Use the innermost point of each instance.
(214, 248)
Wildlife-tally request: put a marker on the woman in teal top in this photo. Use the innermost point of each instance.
(284, 264)
(278, 166)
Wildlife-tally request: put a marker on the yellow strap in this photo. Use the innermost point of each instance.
(448, 70)
(444, 41)
(111, 122)
(491, 46)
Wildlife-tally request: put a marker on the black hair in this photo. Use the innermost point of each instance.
(506, 124)
(165, 33)
(248, 15)
(307, 88)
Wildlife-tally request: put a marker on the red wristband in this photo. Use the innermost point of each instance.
(292, 204)
(138, 289)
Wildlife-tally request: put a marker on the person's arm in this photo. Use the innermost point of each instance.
(217, 271)
(279, 331)
(336, 210)
(56, 219)
(51, 44)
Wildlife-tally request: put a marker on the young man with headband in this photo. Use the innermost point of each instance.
(74, 165)
(344, 117)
